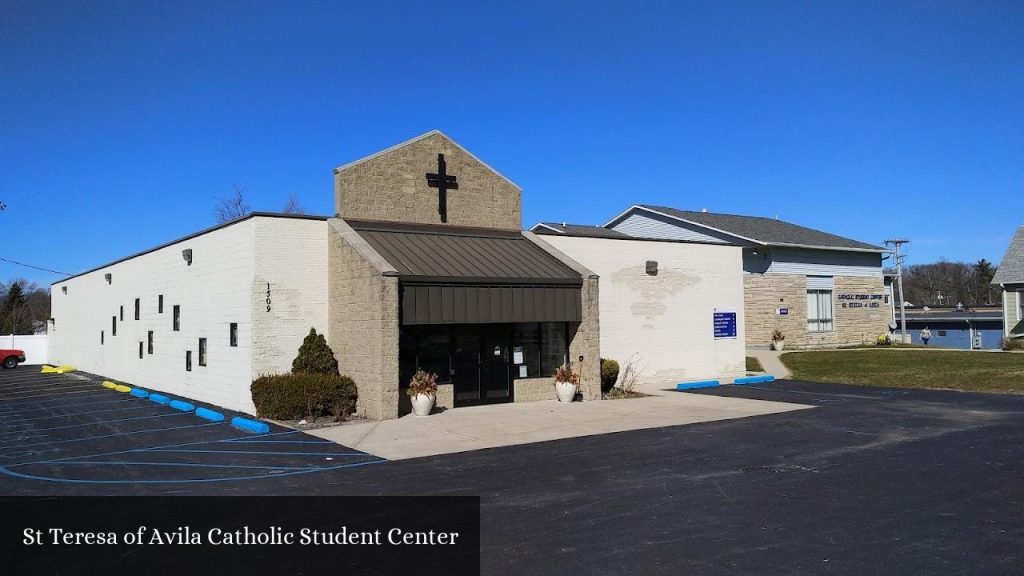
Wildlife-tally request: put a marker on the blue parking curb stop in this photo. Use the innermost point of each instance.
(139, 393)
(754, 379)
(698, 384)
(209, 414)
(182, 405)
(254, 426)
(159, 399)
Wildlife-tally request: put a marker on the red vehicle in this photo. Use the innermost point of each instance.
(11, 358)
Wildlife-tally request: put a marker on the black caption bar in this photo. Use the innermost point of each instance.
(383, 535)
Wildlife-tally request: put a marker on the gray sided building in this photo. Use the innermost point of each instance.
(1010, 278)
(818, 289)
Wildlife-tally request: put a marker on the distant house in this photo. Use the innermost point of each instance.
(978, 328)
(1010, 277)
(817, 288)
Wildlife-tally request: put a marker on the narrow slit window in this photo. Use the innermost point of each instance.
(113, 325)
(233, 334)
(176, 321)
(160, 304)
(137, 308)
(149, 341)
(202, 351)
(140, 350)
(121, 314)
(101, 337)
(188, 360)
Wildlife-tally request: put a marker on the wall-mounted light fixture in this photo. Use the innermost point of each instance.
(652, 267)
(64, 289)
(108, 277)
(187, 255)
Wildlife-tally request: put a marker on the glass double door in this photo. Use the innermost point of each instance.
(481, 361)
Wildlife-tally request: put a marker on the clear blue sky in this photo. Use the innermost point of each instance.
(122, 122)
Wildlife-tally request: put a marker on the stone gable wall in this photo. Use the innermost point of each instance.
(392, 187)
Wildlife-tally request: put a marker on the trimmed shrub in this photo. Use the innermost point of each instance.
(296, 396)
(315, 356)
(609, 374)
(1013, 343)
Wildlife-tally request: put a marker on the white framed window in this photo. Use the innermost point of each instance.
(819, 311)
(1020, 304)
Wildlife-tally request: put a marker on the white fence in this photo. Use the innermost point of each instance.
(35, 347)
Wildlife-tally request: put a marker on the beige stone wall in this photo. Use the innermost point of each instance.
(765, 293)
(392, 187)
(586, 341)
(534, 389)
(363, 324)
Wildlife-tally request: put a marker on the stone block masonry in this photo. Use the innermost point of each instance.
(363, 320)
(392, 187)
(764, 294)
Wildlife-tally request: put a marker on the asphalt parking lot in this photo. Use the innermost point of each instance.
(67, 429)
(871, 481)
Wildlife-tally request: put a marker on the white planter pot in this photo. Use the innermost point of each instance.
(422, 404)
(566, 391)
(778, 345)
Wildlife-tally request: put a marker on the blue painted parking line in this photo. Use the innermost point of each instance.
(55, 386)
(132, 433)
(82, 390)
(136, 406)
(185, 465)
(100, 422)
(4, 470)
(21, 401)
(277, 441)
(145, 449)
(175, 451)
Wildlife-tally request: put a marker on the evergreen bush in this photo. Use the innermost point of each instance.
(315, 356)
(609, 374)
(297, 396)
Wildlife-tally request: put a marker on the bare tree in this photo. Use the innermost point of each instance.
(232, 206)
(293, 206)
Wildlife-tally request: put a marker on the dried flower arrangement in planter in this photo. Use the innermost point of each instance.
(422, 392)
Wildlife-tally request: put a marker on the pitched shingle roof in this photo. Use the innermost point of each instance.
(765, 230)
(1011, 269)
(558, 228)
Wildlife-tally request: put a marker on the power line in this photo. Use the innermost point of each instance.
(34, 267)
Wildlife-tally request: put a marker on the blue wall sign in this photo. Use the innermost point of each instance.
(725, 324)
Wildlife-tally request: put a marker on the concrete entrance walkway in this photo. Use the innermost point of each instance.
(770, 362)
(464, 429)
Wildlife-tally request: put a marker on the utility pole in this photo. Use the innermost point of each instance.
(896, 243)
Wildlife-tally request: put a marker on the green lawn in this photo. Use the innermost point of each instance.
(967, 371)
(754, 365)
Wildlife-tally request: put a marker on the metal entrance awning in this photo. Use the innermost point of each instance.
(451, 275)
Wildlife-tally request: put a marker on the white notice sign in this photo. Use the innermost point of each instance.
(517, 355)
(522, 371)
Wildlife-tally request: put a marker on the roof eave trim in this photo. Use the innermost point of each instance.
(188, 237)
(543, 225)
(818, 247)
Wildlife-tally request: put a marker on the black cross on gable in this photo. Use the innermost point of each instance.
(443, 182)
